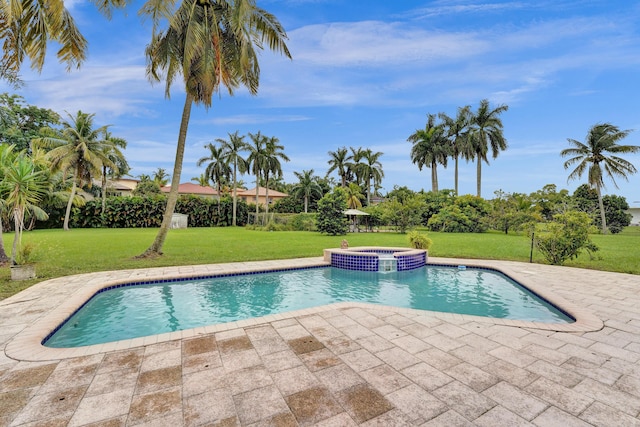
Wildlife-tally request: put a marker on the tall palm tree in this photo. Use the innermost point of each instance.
(339, 162)
(217, 170)
(430, 148)
(354, 165)
(7, 157)
(456, 132)
(120, 166)
(257, 160)
(272, 165)
(354, 196)
(306, 187)
(23, 187)
(232, 150)
(371, 170)
(486, 131)
(211, 43)
(77, 149)
(598, 156)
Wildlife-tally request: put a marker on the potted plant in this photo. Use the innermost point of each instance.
(22, 187)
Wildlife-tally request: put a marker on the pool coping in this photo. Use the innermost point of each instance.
(26, 344)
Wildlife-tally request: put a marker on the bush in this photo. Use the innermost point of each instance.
(466, 215)
(419, 240)
(331, 218)
(566, 237)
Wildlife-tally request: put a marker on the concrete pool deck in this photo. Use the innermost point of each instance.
(344, 364)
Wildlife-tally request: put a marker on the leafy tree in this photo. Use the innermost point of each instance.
(457, 134)
(147, 187)
(485, 131)
(435, 202)
(598, 156)
(306, 187)
(511, 211)
(615, 208)
(565, 237)
(339, 162)
(465, 215)
(403, 215)
(20, 123)
(430, 148)
(210, 43)
(549, 201)
(331, 218)
(77, 149)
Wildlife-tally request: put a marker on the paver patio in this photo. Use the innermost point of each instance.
(341, 365)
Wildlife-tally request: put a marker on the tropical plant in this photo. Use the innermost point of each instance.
(306, 187)
(331, 218)
(354, 164)
(466, 215)
(353, 196)
(161, 177)
(339, 162)
(272, 165)
(419, 240)
(232, 150)
(403, 214)
(20, 123)
(371, 170)
(217, 170)
(7, 157)
(485, 131)
(430, 148)
(565, 237)
(77, 149)
(202, 180)
(120, 166)
(23, 187)
(599, 156)
(457, 133)
(256, 160)
(211, 43)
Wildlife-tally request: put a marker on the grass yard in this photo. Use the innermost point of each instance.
(63, 253)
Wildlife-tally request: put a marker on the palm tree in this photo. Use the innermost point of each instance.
(231, 155)
(456, 132)
(340, 162)
(202, 180)
(371, 169)
(354, 165)
(486, 130)
(218, 169)
(7, 157)
(77, 149)
(430, 148)
(210, 43)
(120, 166)
(257, 160)
(306, 187)
(23, 187)
(354, 196)
(273, 154)
(160, 177)
(598, 156)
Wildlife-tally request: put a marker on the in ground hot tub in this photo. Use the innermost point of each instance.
(376, 258)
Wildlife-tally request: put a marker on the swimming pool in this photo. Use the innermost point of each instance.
(141, 310)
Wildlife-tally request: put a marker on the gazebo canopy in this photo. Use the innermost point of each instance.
(354, 212)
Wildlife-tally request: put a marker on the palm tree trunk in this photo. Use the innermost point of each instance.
(104, 190)
(17, 223)
(455, 174)
(156, 247)
(434, 177)
(306, 203)
(479, 176)
(235, 193)
(369, 191)
(219, 202)
(266, 195)
(257, 191)
(70, 203)
(603, 218)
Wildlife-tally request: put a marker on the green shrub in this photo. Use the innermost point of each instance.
(303, 222)
(331, 218)
(566, 237)
(419, 240)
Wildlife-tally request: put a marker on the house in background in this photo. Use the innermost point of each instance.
(635, 213)
(194, 190)
(249, 196)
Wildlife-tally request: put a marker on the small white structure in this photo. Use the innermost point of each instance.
(179, 220)
(635, 213)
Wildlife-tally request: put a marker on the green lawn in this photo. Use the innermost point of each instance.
(63, 253)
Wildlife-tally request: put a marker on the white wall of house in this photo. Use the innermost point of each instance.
(635, 212)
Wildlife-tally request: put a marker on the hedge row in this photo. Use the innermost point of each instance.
(147, 211)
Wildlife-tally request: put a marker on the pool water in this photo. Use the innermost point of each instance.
(141, 310)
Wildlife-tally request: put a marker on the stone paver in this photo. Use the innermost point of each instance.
(347, 364)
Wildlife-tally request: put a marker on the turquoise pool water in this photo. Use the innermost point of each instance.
(141, 310)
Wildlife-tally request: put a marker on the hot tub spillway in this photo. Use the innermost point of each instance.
(387, 263)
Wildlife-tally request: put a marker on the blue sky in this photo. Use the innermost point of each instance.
(366, 74)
